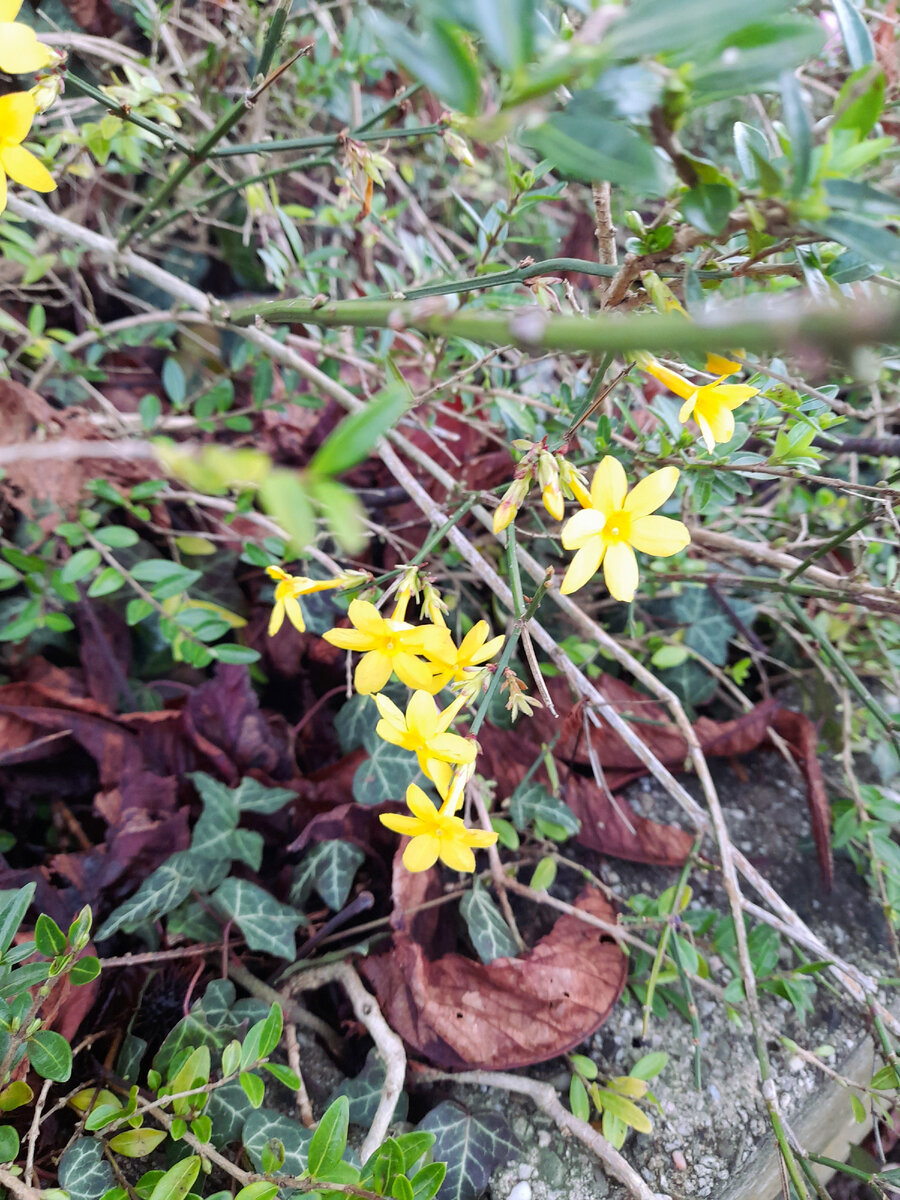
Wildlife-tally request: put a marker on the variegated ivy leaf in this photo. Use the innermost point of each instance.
(472, 1144)
(329, 868)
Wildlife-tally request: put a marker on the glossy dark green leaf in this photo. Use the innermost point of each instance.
(855, 32)
(590, 148)
(488, 931)
(330, 1138)
(50, 1055)
(708, 206)
(799, 129)
(472, 1144)
(754, 59)
(874, 243)
(13, 913)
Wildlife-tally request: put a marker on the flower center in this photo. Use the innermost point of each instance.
(389, 646)
(617, 527)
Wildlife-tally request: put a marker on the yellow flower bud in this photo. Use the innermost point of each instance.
(512, 501)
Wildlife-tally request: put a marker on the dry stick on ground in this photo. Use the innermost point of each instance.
(544, 1097)
(17, 1187)
(292, 1045)
(387, 1043)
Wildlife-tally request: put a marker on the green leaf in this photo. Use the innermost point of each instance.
(507, 30)
(859, 1109)
(747, 140)
(330, 868)
(859, 103)
(175, 384)
(343, 511)
(534, 802)
(427, 1183)
(231, 653)
(83, 1171)
(262, 1038)
(581, 145)
(260, 1190)
(85, 970)
(161, 891)
(265, 1125)
(544, 875)
(385, 775)
(284, 496)
(861, 198)
(650, 1065)
(136, 1143)
(330, 1138)
(873, 242)
(437, 56)
(487, 928)
(283, 1074)
(14, 1095)
(50, 1055)
(668, 656)
(708, 627)
(798, 125)
(401, 1189)
(266, 924)
(48, 937)
(364, 1093)
(708, 206)
(658, 26)
(109, 580)
(254, 1088)
(355, 724)
(756, 57)
(472, 1144)
(117, 537)
(354, 438)
(178, 1180)
(13, 913)
(80, 564)
(193, 1072)
(9, 1144)
(579, 1101)
(855, 33)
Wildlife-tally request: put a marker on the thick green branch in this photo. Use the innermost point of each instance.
(836, 329)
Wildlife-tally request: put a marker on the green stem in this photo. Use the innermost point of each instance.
(693, 1017)
(821, 551)
(840, 664)
(219, 130)
(834, 329)
(328, 141)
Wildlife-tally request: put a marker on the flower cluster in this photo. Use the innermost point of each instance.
(426, 659)
(21, 53)
(558, 479)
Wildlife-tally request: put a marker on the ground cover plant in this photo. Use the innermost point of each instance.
(418, 423)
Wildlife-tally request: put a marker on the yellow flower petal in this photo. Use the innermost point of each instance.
(457, 855)
(449, 715)
(620, 570)
(488, 650)
(372, 672)
(408, 826)
(717, 365)
(735, 394)
(583, 566)
(365, 616)
(684, 413)
(20, 50)
(419, 804)
(388, 732)
(720, 419)
(413, 672)
(609, 486)
(581, 527)
(421, 853)
(295, 614)
(473, 640)
(276, 620)
(389, 710)
(673, 381)
(16, 114)
(651, 492)
(436, 642)
(706, 431)
(9, 10)
(440, 774)
(481, 838)
(348, 639)
(452, 748)
(422, 715)
(660, 536)
(277, 573)
(2, 189)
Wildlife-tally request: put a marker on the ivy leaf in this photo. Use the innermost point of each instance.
(489, 932)
(266, 924)
(253, 796)
(161, 891)
(534, 803)
(385, 775)
(472, 1144)
(355, 724)
(709, 628)
(266, 1125)
(83, 1171)
(364, 1093)
(329, 868)
(227, 1109)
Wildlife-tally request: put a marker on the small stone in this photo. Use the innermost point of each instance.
(544, 1139)
(522, 1191)
(679, 1162)
(526, 1170)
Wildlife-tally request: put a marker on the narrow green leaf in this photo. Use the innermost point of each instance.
(798, 126)
(330, 1138)
(178, 1180)
(855, 32)
(357, 434)
(137, 1143)
(579, 1101)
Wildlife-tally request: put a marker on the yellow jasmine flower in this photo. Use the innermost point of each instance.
(390, 646)
(473, 651)
(16, 114)
(287, 589)
(20, 50)
(711, 404)
(436, 833)
(423, 730)
(617, 523)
